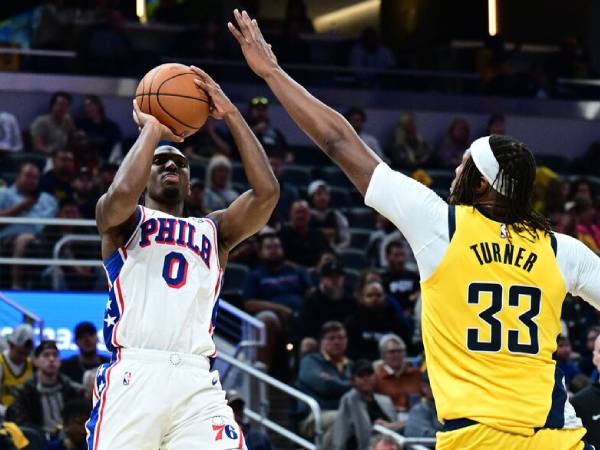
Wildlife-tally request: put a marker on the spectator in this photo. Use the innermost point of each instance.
(587, 354)
(325, 376)
(207, 142)
(394, 376)
(374, 318)
(409, 150)
(270, 137)
(218, 193)
(358, 118)
(399, 282)
(380, 442)
(330, 221)
(23, 199)
(89, 381)
(57, 181)
(422, 419)
(86, 338)
(255, 438)
(16, 366)
(587, 403)
(360, 409)
(369, 53)
(385, 233)
(563, 359)
(104, 134)
(75, 414)
(274, 292)
(106, 176)
(50, 132)
(554, 201)
(582, 223)
(288, 194)
(10, 134)
(582, 188)
(455, 143)
(85, 155)
(302, 242)
(327, 302)
(39, 402)
(496, 124)
(195, 199)
(85, 193)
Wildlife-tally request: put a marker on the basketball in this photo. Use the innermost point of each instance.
(168, 93)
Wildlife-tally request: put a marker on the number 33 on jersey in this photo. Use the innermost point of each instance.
(167, 273)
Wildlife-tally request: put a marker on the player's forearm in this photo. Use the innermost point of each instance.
(122, 197)
(260, 176)
(325, 126)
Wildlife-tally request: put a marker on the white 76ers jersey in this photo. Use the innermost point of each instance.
(164, 286)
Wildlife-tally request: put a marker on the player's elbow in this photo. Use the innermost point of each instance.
(268, 195)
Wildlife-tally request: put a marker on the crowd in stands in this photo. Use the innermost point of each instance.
(107, 41)
(335, 283)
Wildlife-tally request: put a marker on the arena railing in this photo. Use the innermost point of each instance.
(408, 443)
(234, 324)
(23, 315)
(259, 381)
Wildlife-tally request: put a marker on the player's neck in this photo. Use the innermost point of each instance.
(175, 210)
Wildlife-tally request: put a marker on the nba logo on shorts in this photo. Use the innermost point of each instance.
(126, 378)
(503, 231)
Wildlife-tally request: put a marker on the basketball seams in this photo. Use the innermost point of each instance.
(150, 89)
(173, 95)
(171, 78)
(172, 116)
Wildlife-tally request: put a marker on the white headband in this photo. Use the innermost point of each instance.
(486, 162)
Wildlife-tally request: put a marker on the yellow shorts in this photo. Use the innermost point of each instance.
(482, 437)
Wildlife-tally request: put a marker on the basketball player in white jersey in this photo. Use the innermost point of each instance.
(165, 272)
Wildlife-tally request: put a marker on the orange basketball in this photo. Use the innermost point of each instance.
(169, 93)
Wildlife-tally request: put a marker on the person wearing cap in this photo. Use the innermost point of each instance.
(16, 366)
(422, 419)
(361, 408)
(330, 221)
(382, 442)
(270, 137)
(329, 301)
(325, 376)
(399, 282)
(39, 402)
(255, 438)
(218, 193)
(85, 192)
(303, 243)
(86, 338)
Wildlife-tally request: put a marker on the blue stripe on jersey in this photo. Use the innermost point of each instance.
(556, 415)
(100, 381)
(112, 314)
(113, 265)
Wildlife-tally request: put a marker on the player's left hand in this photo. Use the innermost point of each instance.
(220, 105)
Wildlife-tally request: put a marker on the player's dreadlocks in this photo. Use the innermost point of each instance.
(516, 177)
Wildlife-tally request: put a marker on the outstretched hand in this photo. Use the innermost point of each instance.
(142, 119)
(220, 105)
(258, 53)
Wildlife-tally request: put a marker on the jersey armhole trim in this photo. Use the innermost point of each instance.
(553, 243)
(451, 222)
(141, 214)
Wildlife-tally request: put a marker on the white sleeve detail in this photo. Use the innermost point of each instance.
(418, 212)
(580, 268)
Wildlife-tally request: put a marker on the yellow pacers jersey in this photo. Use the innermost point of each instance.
(11, 381)
(491, 316)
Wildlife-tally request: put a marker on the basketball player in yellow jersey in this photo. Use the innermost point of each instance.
(493, 275)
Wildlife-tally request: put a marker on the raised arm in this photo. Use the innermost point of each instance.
(325, 126)
(251, 210)
(118, 204)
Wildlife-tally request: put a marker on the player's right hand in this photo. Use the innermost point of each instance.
(142, 119)
(258, 53)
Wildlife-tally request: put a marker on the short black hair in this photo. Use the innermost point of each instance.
(85, 328)
(58, 151)
(58, 94)
(25, 163)
(76, 408)
(392, 245)
(328, 327)
(263, 237)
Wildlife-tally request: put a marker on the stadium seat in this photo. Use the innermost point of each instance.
(351, 281)
(441, 179)
(309, 155)
(298, 176)
(352, 258)
(233, 283)
(335, 177)
(340, 198)
(237, 173)
(557, 163)
(198, 170)
(361, 217)
(359, 237)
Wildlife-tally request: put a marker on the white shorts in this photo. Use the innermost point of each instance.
(151, 400)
